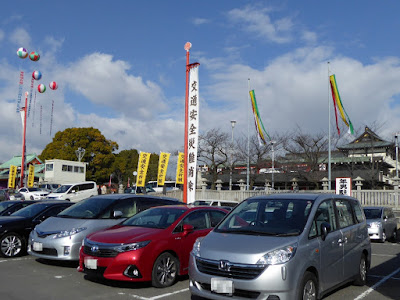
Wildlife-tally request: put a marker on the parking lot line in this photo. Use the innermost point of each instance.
(372, 288)
(160, 296)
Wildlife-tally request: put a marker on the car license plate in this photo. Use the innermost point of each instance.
(222, 286)
(91, 263)
(37, 246)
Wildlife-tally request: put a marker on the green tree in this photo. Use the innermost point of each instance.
(126, 163)
(98, 150)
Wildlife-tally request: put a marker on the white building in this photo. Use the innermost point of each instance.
(64, 171)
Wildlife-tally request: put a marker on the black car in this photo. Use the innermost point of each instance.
(11, 206)
(15, 229)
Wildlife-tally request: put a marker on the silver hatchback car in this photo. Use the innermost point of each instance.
(382, 223)
(284, 246)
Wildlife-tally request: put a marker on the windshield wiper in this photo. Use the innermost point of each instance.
(288, 234)
(248, 231)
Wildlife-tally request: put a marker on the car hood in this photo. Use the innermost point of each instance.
(369, 221)
(124, 234)
(214, 246)
(11, 219)
(56, 224)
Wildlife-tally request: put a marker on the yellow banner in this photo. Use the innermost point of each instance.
(143, 164)
(11, 177)
(180, 167)
(31, 175)
(162, 168)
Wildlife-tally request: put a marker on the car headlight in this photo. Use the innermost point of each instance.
(131, 247)
(71, 232)
(376, 224)
(278, 256)
(196, 247)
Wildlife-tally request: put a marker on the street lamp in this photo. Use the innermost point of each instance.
(80, 153)
(397, 153)
(273, 163)
(233, 123)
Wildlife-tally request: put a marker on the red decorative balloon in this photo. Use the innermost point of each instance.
(53, 85)
(34, 56)
(41, 88)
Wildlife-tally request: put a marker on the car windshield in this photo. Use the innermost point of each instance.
(62, 189)
(373, 213)
(30, 210)
(32, 189)
(5, 205)
(155, 217)
(90, 208)
(201, 202)
(278, 217)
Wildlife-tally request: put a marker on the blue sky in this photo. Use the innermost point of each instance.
(120, 67)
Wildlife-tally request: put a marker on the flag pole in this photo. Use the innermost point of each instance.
(24, 109)
(329, 137)
(187, 47)
(248, 139)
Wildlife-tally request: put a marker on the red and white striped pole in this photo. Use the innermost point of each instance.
(24, 109)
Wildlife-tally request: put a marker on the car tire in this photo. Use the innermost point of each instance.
(165, 270)
(309, 287)
(12, 245)
(361, 278)
(383, 239)
(32, 198)
(394, 235)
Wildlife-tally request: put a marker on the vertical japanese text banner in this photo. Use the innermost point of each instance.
(193, 133)
(143, 164)
(31, 175)
(162, 168)
(180, 167)
(11, 176)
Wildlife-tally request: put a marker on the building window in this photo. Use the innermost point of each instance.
(64, 168)
(49, 167)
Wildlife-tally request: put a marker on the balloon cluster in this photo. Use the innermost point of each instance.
(37, 75)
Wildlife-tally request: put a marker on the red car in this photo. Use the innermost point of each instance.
(154, 245)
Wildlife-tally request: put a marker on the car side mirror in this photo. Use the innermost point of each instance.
(325, 229)
(117, 214)
(187, 228)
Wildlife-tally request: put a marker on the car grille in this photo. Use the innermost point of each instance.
(99, 252)
(95, 273)
(236, 293)
(231, 270)
(47, 251)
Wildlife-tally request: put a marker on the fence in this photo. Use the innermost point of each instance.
(366, 197)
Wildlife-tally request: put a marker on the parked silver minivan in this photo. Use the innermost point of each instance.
(283, 246)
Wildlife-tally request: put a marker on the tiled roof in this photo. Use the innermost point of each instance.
(16, 161)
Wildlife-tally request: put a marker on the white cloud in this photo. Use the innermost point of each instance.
(107, 83)
(200, 21)
(256, 20)
(21, 38)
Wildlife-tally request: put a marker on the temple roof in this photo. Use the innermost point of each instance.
(368, 139)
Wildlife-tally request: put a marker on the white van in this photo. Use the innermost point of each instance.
(74, 191)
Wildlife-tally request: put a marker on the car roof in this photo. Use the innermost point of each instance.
(125, 196)
(303, 196)
(191, 207)
(20, 201)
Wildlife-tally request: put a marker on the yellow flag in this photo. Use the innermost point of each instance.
(143, 164)
(11, 176)
(180, 167)
(162, 168)
(31, 175)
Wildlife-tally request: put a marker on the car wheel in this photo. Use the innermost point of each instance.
(11, 245)
(394, 235)
(361, 278)
(309, 287)
(383, 237)
(32, 198)
(165, 270)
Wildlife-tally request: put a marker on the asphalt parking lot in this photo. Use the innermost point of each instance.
(27, 277)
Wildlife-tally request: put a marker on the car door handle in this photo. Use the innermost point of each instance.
(342, 241)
